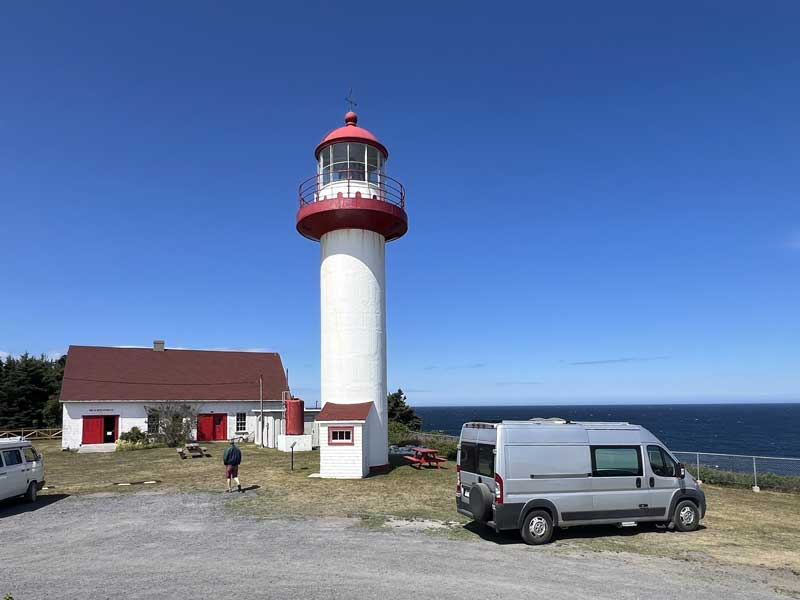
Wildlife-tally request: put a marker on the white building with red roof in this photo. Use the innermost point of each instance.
(107, 391)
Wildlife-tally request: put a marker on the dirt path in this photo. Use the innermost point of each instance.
(164, 545)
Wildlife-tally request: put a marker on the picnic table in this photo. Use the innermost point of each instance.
(425, 456)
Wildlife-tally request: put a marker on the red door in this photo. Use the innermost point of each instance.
(220, 427)
(92, 430)
(205, 428)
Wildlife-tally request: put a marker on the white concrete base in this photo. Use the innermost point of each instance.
(756, 488)
(302, 443)
(93, 448)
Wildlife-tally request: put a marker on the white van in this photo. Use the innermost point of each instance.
(533, 476)
(21, 469)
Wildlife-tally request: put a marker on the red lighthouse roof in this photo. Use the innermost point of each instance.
(351, 132)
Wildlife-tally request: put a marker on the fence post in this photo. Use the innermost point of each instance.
(698, 468)
(755, 477)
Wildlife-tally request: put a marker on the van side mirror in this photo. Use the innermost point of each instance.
(680, 471)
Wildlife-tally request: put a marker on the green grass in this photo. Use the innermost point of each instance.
(741, 527)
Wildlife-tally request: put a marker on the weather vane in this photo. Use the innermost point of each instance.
(350, 101)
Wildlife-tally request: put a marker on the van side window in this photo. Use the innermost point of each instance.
(12, 457)
(486, 460)
(30, 454)
(469, 457)
(616, 461)
(661, 462)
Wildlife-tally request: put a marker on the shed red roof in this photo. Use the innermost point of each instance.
(351, 132)
(98, 373)
(344, 412)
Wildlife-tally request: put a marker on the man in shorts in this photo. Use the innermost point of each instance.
(231, 459)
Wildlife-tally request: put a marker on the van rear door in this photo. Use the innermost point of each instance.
(477, 456)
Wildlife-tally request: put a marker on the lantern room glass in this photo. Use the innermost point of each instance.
(352, 160)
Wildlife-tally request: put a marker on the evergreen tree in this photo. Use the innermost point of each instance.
(29, 390)
(400, 412)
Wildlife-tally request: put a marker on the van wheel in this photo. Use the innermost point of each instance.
(30, 495)
(686, 516)
(537, 528)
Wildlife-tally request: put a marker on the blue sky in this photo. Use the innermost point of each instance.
(603, 199)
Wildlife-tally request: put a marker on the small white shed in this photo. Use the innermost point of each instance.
(342, 444)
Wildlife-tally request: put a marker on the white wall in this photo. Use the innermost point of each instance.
(134, 414)
(353, 328)
(342, 461)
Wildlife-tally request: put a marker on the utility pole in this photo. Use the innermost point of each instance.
(261, 399)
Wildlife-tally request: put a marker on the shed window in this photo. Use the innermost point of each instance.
(241, 422)
(152, 423)
(340, 436)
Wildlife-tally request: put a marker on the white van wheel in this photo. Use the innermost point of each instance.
(686, 517)
(30, 495)
(537, 528)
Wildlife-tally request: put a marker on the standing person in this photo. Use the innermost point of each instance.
(232, 459)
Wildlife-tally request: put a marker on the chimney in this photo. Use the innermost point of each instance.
(158, 345)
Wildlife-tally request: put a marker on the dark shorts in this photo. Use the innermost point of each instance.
(231, 471)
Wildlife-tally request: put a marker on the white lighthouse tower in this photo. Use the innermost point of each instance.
(352, 208)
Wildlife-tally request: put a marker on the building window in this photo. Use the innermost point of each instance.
(152, 423)
(241, 422)
(340, 436)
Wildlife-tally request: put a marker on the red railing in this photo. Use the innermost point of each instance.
(348, 183)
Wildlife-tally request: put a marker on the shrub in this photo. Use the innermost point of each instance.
(767, 481)
(176, 423)
(134, 436)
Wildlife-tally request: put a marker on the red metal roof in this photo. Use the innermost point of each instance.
(98, 373)
(351, 132)
(344, 412)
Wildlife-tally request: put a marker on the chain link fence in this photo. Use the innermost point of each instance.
(764, 472)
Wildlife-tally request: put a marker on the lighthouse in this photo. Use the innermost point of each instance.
(352, 208)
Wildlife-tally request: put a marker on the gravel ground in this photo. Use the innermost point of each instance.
(158, 545)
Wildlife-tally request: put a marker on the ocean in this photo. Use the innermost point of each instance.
(757, 429)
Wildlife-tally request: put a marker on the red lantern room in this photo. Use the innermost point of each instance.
(351, 189)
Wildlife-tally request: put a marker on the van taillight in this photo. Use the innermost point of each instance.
(458, 479)
(498, 489)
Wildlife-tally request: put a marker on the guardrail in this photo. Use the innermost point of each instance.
(348, 184)
(32, 434)
(768, 472)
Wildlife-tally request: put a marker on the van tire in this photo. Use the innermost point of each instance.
(480, 502)
(686, 516)
(537, 528)
(30, 495)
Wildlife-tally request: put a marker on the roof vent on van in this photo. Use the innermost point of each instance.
(553, 420)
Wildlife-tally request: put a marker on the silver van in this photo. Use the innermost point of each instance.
(534, 476)
(21, 469)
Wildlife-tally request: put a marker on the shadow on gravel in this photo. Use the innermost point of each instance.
(13, 506)
(573, 533)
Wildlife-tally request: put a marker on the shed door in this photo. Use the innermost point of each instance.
(205, 428)
(92, 430)
(220, 427)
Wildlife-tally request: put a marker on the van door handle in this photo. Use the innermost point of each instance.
(638, 482)
(652, 482)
